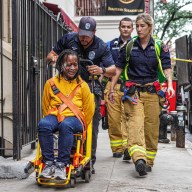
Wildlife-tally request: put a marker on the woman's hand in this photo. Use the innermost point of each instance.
(168, 75)
(171, 92)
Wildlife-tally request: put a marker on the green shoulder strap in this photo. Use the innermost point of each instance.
(161, 75)
(129, 47)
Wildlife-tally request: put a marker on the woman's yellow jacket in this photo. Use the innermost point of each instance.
(83, 98)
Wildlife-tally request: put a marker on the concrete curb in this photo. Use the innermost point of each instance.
(10, 169)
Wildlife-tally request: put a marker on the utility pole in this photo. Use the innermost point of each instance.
(151, 9)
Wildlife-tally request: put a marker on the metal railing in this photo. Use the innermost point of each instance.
(35, 31)
(1, 79)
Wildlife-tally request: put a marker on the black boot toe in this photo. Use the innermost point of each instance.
(140, 167)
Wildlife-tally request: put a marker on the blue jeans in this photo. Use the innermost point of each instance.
(47, 126)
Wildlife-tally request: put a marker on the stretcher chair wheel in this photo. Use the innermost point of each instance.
(87, 176)
(36, 174)
(72, 182)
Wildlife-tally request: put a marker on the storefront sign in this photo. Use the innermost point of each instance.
(125, 7)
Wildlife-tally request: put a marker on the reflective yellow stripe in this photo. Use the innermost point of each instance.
(136, 148)
(127, 63)
(116, 143)
(158, 44)
(151, 154)
(124, 141)
(126, 71)
(184, 60)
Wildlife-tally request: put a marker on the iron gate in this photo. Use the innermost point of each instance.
(35, 31)
(1, 79)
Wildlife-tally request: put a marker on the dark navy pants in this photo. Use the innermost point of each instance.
(95, 123)
(47, 126)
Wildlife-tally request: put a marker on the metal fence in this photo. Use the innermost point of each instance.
(35, 31)
(1, 76)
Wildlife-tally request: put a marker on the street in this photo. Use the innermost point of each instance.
(172, 173)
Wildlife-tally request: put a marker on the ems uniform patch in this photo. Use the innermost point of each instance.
(91, 55)
(113, 48)
(74, 48)
(135, 48)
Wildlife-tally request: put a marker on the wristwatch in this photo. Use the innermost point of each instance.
(104, 70)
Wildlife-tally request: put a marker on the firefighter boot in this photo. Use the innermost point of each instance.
(126, 156)
(117, 155)
(148, 168)
(140, 167)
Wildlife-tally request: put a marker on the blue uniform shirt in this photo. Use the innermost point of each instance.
(114, 46)
(143, 64)
(98, 52)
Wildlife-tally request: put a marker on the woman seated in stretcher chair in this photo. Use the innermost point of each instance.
(68, 107)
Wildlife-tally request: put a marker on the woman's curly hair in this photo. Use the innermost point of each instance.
(61, 60)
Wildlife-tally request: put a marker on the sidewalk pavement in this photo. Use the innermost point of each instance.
(172, 171)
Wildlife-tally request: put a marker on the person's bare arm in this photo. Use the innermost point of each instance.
(114, 80)
(168, 75)
(96, 70)
(52, 57)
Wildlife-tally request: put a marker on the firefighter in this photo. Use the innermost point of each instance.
(142, 61)
(88, 46)
(116, 116)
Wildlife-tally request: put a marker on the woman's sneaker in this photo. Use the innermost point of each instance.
(48, 170)
(60, 171)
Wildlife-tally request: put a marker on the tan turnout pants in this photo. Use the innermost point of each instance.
(143, 126)
(116, 120)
